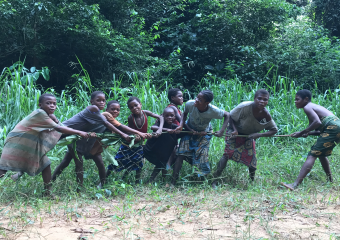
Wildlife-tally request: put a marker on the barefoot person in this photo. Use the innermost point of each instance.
(89, 120)
(195, 147)
(248, 118)
(27, 144)
(130, 159)
(158, 150)
(327, 126)
(111, 113)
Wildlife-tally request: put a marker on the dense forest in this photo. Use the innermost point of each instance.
(182, 42)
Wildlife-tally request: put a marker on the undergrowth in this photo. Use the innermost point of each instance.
(279, 159)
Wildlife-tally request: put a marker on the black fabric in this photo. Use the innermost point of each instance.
(158, 150)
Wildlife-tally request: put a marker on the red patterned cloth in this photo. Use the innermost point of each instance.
(240, 149)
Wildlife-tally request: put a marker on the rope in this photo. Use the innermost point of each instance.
(224, 135)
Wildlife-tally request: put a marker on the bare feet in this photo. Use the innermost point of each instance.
(48, 194)
(289, 186)
(170, 186)
(16, 176)
(214, 184)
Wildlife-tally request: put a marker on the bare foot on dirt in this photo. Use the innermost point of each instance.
(289, 186)
(49, 195)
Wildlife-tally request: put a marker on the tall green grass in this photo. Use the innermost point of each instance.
(278, 159)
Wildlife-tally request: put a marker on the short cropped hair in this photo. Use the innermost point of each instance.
(112, 102)
(261, 91)
(208, 95)
(168, 108)
(172, 93)
(45, 95)
(95, 94)
(304, 93)
(132, 99)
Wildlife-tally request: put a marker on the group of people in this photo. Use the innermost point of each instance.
(28, 143)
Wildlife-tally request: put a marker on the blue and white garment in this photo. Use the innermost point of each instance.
(130, 159)
(196, 150)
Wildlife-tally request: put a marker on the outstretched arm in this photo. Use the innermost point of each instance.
(314, 122)
(95, 109)
(265, 134)
(269, 133)
(71, 131)
(128, 130)
(155, 128)
(114, 129)
(224, 126)
(68, 130)
(161, 121)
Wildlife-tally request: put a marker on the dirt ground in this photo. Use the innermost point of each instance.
(171, 220)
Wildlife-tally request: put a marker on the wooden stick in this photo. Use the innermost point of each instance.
(246, 136)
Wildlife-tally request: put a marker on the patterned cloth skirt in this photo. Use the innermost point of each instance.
(329, 137)
(240, 149)
(196, 148)
(130, 159)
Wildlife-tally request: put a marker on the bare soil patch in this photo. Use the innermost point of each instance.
(193, 218)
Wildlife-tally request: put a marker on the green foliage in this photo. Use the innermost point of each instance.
(18, 94)
(279, 159)
(305, 53)
(327, 13)
(210, 32)
(55, 32)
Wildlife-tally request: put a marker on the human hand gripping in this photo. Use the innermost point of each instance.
(178, 129)
(234, 134)
(305, 135)
(144, 135)
(200, 133)
(297, 134)
(84, 134)
(171, 131)
(126, 137)
(219, 133)
(157, 133)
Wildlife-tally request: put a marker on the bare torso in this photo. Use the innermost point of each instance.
(319, 110)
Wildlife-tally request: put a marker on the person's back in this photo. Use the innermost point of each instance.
(319, 110)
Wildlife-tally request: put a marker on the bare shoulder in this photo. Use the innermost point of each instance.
(312, 107)
(93, 108)
(318, 109)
